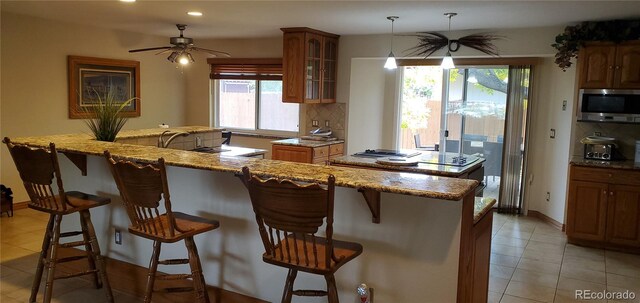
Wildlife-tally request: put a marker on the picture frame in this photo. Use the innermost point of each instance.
(89, 76)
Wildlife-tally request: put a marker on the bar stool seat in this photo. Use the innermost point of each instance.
(342, 250)
(191, 225)
(38, 167)
(77, 200)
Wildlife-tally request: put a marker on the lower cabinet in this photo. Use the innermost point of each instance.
(604, 207)
(305, 154)
(481, 258)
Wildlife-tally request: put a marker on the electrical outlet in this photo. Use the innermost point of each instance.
(198, 141)
(564, 105)
(552, 133)
(118, 237)
(548, 196)
(314, 123)
(326, 123)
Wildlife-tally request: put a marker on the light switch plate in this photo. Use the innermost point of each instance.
(564, 105)
(552, 133)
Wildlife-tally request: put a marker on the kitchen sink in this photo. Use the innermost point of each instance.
(210, 150)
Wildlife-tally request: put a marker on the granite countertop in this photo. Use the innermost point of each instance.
(481, 206)
(628, 164)
(392, 182)
(154, 132)
(422, 168)
(306, 143)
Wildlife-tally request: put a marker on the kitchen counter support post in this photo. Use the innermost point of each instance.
(372, 198)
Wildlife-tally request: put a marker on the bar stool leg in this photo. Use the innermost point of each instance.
(90, 254)
(288, 286)
(153, 267)
(332, 291)
(52, 259)
(199, 286)
(97, 256)
(46, 241)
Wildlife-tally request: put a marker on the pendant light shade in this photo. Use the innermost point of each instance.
(391, 60)
(447, 62)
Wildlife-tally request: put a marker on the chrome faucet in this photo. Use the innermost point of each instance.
(164, 144)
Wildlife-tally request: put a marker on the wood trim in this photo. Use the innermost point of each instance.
(247, 61)
(465, 276)
(473, 61)
(73, 63)
(131, 279)
(20, 205)
(547, 219)
(307, 30)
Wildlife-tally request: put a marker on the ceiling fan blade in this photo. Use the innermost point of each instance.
(148, 49)
(210, 51)
(167, 50)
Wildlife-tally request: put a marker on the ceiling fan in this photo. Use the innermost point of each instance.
(181, 48)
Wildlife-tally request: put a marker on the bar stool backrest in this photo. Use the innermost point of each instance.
(287, 210)
(38, 167)
(141, 188)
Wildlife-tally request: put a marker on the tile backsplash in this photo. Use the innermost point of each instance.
(626, 135)
(335, 113)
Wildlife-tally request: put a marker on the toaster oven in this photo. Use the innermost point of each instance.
(601, 152)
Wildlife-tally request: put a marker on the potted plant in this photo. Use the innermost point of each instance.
(106, 120)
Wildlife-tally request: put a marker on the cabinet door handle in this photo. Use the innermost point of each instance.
(610, 66)
(617, 66)
(610, 193)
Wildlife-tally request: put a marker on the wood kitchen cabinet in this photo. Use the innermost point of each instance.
(309, 66)
(481, 258)
(609, 65)
(305, 154)
(604, 207)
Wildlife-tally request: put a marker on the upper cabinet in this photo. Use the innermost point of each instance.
(309, 66)
(608, 65)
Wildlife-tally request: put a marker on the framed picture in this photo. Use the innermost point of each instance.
(93, 78)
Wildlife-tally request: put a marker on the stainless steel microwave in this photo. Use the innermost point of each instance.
(609, 105)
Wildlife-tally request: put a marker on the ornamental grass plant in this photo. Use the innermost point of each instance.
(107, 121)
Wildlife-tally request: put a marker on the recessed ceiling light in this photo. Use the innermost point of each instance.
(194, 13)
(127, 0)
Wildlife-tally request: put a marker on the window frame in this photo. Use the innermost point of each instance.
(258, 131)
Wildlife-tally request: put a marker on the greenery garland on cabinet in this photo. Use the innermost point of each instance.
(573, 38)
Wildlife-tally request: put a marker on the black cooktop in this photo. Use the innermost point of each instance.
(379, 153)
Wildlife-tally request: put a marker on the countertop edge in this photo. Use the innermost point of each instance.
(307, 143)
(408, 169)
(626, 165)
(482, 206)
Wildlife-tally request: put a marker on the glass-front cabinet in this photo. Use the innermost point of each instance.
(309, 66)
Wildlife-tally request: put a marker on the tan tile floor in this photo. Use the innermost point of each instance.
(532, 262)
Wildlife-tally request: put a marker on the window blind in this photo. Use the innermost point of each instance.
(246, 69)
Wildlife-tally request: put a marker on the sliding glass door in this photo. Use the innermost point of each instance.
(464, 110)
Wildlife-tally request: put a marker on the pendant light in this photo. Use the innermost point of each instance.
(391, 60)
(447, 61)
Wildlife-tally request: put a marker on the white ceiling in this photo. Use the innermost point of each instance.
(245, 19)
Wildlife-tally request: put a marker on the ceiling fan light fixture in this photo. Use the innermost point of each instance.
(172, 57)
(185, 59)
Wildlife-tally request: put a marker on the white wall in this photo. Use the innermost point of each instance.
(549, 158)
(34, 98)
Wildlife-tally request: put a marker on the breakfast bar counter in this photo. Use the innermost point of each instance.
(424, 236)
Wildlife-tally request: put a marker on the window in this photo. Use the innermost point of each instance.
(248, 95)
(254, 105)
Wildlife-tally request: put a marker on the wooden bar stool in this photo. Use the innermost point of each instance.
(289, 216)
(141, 188)
(38, 167)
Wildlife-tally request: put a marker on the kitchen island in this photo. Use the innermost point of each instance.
(425, 248)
